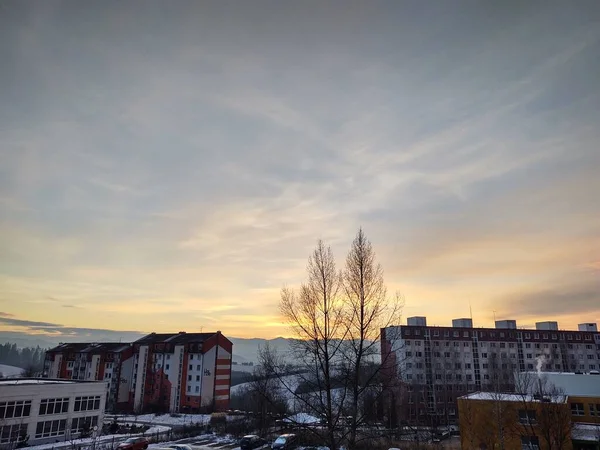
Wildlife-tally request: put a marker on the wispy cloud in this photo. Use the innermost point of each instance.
(187, 172)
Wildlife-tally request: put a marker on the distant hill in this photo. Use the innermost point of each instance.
(10, 371)
(244, 350)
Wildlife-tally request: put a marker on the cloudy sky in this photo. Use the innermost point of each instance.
(170, 165)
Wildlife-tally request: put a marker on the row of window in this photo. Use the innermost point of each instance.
(54, 406)
(19, 408)
(578, 409)
(87, 403)
(492, 334)
(499, 344)
(51, 428)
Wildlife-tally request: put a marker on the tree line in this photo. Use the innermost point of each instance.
(25, 358)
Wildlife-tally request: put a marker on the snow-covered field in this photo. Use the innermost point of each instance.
(10, 371)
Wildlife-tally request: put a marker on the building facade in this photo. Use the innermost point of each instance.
(110, 362)
(432, 366)
(46, 410)
(182, 372)
(159, 372)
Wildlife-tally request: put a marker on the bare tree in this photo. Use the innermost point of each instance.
(316, 317)
(543, 411)
(29, 372)
(367, 309)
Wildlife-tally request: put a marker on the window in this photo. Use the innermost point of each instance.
(79, 424)
(456, 344)
(407, 332)
(168, 356)
(486, 377)
(198, 367)
(191, 367)
(189, 378)
(409, 365)
(529, 356)
(530, 443)
(536, 335)
(418, 343)
(166, 367)
(189, 389)
(455, 334)
(417, 332)
(50, 428)
(459, 377)
(436, 343)
(467, 365)
(438, 376)
(419, 376)
(527, 345)
(485, 365)
(590, 356)
(554, 337)
(419, 365)
(418, 354)
(493, 345)
(594, 409)
(526, 416)
(197, 377)
(527, 336)
(197, 389)
(12, 433)
(529, 366)
(437, 354)
(91, 403)
(191, 357)
(569, 337)
(502, 344)
(465, 344)
(589, 346)
(436, 333)
(20, 408)
(577, 409)
(484, 355)
(578, 337)
(469, 377)
(447, 354)
(457, 366)
(409, 376)
(408, 354)
(456, 355)
(54, 406)
(465, 334)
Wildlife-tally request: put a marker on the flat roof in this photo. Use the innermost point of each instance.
(508, 397)
(32, 381)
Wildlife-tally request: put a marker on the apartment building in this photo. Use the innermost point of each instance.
(182, 372)
(163, 372)
(46, 410)
(563, 412)
(111, 362)
(431, 366)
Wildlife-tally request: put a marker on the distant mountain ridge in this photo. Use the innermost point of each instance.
(245, 350)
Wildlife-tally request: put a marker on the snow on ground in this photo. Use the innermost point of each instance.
(302, 418)
(105, 439)
(164, 419)
(10, 371)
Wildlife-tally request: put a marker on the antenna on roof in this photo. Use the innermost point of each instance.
(471, 311)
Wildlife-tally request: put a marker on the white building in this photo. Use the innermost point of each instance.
(49, 410)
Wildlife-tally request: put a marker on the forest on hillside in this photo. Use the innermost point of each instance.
(26, 358)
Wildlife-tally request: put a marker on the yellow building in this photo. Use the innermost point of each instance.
(565, 417)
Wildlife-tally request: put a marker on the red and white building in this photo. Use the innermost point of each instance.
(159, 372)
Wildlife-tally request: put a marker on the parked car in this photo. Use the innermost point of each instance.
(134, 443)
(250, 442)
(180, 447)
(284, 442)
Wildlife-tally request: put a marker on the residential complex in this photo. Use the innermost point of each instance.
(159, 372)
(553, 410)
(49, 410)
(431, 366)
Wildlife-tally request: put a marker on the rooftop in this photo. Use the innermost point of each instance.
(175, 338)
(506, 397)
(91, 347)
(31, 381)
(569, 383)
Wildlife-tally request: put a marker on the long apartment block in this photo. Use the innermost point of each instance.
(435, 365)
(159, 372)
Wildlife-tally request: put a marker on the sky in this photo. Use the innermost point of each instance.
(170, 166)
